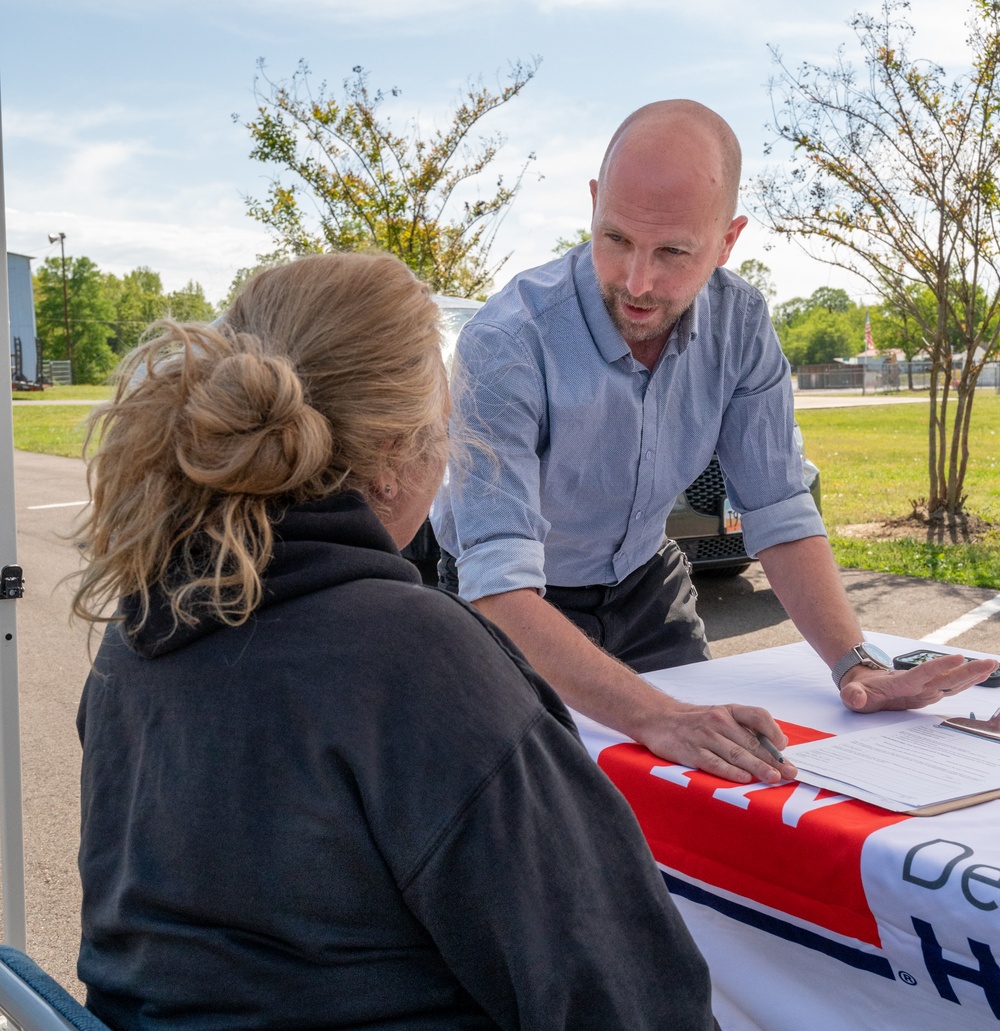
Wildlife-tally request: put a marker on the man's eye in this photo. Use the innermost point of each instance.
(673, 250)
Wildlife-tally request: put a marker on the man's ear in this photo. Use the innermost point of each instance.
(729, 240)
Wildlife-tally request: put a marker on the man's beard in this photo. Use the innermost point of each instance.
(640, 332)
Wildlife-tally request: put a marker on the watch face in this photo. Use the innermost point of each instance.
(872, 651)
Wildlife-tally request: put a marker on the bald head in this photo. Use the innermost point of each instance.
(678, 137)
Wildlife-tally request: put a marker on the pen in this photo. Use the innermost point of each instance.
(768, 747)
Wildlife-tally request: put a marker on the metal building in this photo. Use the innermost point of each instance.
(23, 336)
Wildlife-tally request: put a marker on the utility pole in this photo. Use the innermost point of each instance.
(61, 237)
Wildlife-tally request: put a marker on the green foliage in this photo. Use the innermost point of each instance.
(93, 360)
(817, 338)
(893, 176)
(107, 315)
(188, 304)
(757, 274)
(355, 181)
(89, 312)
(567, 243)
(817, 329)
(138, 301)
(907, 333)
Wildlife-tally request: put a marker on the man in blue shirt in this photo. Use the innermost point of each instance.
(602, 383)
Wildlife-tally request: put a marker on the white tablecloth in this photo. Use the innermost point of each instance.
(817, 912)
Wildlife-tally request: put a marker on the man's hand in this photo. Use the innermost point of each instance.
(719, 739)
(870, 690)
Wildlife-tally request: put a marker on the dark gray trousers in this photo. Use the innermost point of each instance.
(648, 621)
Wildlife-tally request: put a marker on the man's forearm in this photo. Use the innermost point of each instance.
(586, 677)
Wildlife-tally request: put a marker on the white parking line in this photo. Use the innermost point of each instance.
(966, 622)
(62, 504)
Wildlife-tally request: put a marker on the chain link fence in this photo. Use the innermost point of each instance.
(882, 378)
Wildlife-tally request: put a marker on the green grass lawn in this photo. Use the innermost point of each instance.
(873, 463)
(84, 392)
(51, 429)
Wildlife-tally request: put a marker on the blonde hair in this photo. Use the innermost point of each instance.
(324, 372)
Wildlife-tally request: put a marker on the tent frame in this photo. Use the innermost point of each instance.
(11, 820)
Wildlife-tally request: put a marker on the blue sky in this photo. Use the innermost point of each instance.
(118, 130)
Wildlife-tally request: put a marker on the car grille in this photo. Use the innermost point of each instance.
(706, 493)
(705, 549)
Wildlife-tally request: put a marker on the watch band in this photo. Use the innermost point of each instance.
(862, 654)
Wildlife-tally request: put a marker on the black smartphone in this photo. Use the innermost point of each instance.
(911, 659)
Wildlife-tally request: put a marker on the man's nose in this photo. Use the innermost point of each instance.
(640, 275)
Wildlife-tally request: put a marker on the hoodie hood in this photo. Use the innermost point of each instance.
(322, 544)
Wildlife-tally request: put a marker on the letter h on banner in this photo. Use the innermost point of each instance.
(987, 976)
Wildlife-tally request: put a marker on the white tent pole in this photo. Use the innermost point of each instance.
(11, 830)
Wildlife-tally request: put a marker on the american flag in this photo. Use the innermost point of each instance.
(869, 343)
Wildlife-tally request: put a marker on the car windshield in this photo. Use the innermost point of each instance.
(454, 316)
(452, 320)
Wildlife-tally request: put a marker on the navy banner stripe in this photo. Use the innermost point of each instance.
(781, 929)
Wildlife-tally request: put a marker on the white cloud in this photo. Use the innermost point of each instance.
(181, 249)
(155, 178)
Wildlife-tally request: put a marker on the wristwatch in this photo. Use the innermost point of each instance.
(863, 654)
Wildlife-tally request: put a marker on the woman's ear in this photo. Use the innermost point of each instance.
(388, 485)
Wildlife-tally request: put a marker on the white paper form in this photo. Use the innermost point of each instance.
(903, 766)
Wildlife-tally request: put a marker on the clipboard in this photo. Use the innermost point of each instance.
(955, 803)
(989, 729)
(980, 728)
(869, 764)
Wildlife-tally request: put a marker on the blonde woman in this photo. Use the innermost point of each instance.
(317, 794)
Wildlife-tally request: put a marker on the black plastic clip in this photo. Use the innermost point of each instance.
(11, 582)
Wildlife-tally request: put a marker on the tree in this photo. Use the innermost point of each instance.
(817, 329)
(188, 305)
(91, 314)
(757, 274)
(816, 339)
(356, 182)
(894, 177)
(138, 301)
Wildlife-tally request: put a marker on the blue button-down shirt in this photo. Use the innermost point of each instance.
(588, 449)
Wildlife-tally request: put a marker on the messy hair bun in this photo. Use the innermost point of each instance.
(245, 428)
(322, 371)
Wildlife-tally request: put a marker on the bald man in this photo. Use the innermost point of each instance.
(602, 383)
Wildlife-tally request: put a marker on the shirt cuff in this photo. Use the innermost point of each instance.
(499, 566)
(790, 520)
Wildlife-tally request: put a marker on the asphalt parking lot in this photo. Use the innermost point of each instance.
(741, 614)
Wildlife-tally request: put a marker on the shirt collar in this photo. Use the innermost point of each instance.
(609, 341)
